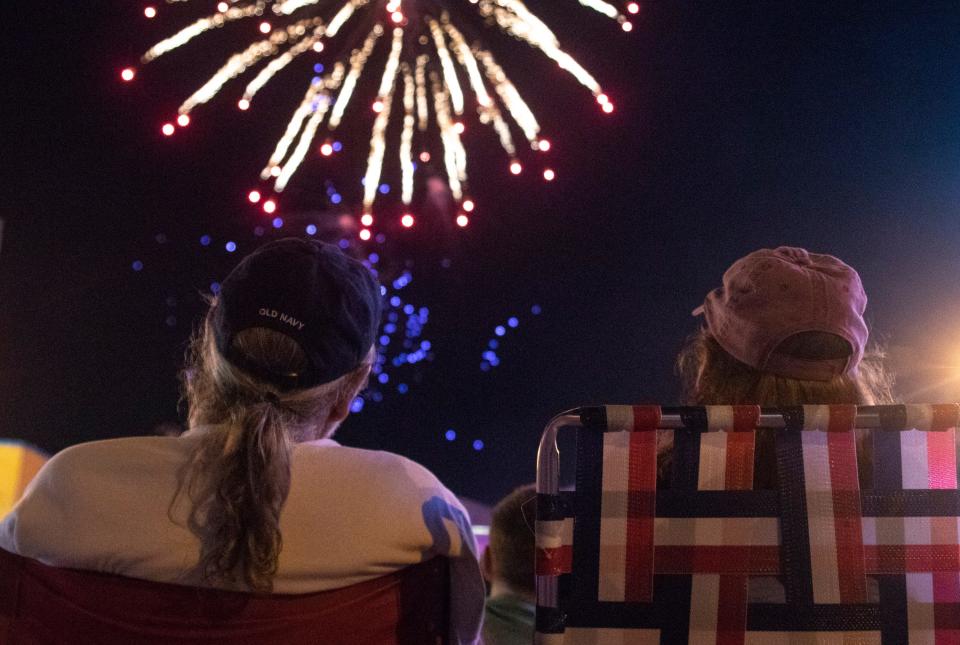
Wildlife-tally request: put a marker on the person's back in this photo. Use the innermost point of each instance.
(508, 565)
(350, 514)
(256, 496)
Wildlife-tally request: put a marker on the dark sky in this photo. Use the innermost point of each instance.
(834, 126)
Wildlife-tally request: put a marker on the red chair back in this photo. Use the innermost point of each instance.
(41, 604)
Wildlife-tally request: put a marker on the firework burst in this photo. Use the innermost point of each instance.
(430, 76)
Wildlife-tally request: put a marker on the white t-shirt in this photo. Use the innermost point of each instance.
(351, 515)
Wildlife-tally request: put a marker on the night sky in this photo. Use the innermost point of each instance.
(740, 125)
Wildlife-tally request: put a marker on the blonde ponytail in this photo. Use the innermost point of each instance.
(239, 477)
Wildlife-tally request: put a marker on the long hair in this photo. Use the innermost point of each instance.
(711, 376)
(239, 476)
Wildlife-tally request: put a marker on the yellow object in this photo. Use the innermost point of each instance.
(19, 463)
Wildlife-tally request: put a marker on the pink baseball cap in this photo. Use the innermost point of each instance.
(773, 294)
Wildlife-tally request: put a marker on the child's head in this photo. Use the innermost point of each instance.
(510, 557)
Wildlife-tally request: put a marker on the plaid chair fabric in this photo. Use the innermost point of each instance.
(708, 559)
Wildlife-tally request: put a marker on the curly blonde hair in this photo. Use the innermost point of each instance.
(711, 376)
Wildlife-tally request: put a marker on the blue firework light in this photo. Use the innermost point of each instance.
(403, 347)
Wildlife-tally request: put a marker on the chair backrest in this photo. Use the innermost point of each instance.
(42, 604)
(19, 462)
(706, 558)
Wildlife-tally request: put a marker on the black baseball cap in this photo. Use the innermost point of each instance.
(327, 302)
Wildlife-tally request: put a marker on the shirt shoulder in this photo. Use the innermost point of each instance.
(378, 466)
(79, 484)
(375, 486)
(108, 457)
(508, 620)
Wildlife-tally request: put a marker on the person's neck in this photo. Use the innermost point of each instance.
(500, 588)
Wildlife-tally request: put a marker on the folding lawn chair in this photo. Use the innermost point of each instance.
(709, 559)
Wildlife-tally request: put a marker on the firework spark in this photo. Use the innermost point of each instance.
(425, 55)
